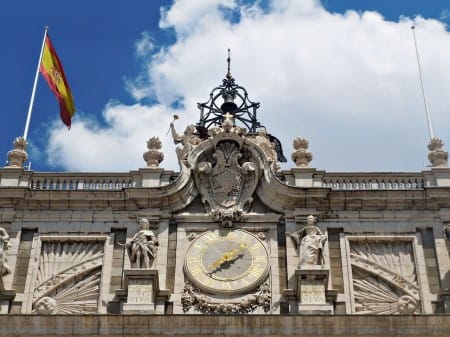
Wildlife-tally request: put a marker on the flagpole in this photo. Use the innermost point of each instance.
(430, 127)
(30, 107)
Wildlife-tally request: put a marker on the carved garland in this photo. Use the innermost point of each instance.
(192, 298)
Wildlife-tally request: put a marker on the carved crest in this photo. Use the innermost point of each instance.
(226, 180)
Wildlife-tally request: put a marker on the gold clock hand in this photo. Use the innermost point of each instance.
(231, 255)
(228, 256)
(218, 262)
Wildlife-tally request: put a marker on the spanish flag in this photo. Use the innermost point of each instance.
(53, 73)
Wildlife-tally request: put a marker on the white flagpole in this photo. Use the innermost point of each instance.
(30, 107)
(430, 127)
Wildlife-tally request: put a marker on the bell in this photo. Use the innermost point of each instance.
(228, 104)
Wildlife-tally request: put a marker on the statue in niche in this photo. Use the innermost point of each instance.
(143, 246)
(310, 242)
(4, 246)
(188, 141)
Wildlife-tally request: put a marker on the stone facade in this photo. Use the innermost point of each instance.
(229, 244)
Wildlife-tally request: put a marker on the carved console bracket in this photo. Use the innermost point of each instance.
(141, 292)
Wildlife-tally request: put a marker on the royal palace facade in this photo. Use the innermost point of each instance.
(231, 245)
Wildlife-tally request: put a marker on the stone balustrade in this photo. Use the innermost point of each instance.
(83, 183)
(17, 177)
(370, 181)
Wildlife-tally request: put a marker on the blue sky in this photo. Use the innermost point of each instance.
(338, 80)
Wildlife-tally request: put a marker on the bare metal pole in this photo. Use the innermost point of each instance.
(33, 92)
(427, 111)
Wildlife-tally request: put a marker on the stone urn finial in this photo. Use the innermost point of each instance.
(154, 156)
(301, 156)
(437, 156)
(18, 155)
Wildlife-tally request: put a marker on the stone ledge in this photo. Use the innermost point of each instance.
(231, 326)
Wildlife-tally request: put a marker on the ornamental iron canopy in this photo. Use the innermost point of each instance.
(234, 105)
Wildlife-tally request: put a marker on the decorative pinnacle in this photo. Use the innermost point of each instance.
(229, 61)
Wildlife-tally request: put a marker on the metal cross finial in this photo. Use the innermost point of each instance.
(228, 61)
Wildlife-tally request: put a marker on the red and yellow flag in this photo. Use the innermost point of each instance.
(53, 73)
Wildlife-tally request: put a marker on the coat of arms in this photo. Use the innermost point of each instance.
(227, 182)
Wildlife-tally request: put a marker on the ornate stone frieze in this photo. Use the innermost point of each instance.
(384, 278)
(193, 298)
(68, 277)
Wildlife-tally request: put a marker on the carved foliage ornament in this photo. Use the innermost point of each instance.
(192, 298)
(226, 180)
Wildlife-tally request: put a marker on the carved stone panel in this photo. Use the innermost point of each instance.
(384, 277)
(68, 277)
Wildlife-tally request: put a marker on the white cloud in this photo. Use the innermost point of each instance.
(445, 14)
(117, 147)
(144, 45)
(348, 83)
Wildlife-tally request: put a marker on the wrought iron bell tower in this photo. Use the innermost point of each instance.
(230, 101)
(235, 105)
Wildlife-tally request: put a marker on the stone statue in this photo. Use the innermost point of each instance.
(262, 139)
(143, 246)
(309, 241)
(188, 140)
(4, 246)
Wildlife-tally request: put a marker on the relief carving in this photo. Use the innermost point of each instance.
(192, 298)
(68, 278)
(384, 278)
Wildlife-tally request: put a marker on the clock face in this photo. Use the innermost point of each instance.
(226, 261)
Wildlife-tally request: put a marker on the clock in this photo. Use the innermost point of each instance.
(226, 261)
